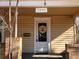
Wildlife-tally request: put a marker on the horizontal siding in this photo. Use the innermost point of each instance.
(25, 25)
(62, 33)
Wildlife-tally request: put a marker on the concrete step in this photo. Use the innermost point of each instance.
(48, 56)
(42, 56)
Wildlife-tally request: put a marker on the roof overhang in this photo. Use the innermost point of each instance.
(41, 3)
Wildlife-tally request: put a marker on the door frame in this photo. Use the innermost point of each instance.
(48, 19)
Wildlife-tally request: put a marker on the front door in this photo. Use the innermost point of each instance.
(42, 35)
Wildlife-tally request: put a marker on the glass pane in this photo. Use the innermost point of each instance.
(42, 32)
(1, 22)
(0, 37)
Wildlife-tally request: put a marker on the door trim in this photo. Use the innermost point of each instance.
(48, 19)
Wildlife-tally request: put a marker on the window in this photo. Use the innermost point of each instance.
(42, 32)
(1, 22)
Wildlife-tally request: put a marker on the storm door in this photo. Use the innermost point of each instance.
(42, 35)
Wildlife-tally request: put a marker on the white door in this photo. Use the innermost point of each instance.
(42, 35)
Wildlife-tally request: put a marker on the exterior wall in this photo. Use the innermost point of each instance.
(61, 32)
(26, 25)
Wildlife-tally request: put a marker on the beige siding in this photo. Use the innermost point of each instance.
(62, 32)
(25, 25)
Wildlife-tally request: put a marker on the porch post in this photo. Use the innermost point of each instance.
(16, 17)
(10, 26)
(76, 28)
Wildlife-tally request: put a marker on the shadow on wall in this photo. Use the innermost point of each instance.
(62, 33)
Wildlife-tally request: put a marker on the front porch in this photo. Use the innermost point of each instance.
(62, 31)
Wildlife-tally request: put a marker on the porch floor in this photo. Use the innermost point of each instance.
(35, 56)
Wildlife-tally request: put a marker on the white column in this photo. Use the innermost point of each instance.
(16, 14)
(16, 17)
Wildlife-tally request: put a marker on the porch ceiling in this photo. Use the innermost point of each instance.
(52, 11)
(55, 11)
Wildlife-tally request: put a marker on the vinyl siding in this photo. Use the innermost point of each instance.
(62, 32)
(25, 25)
